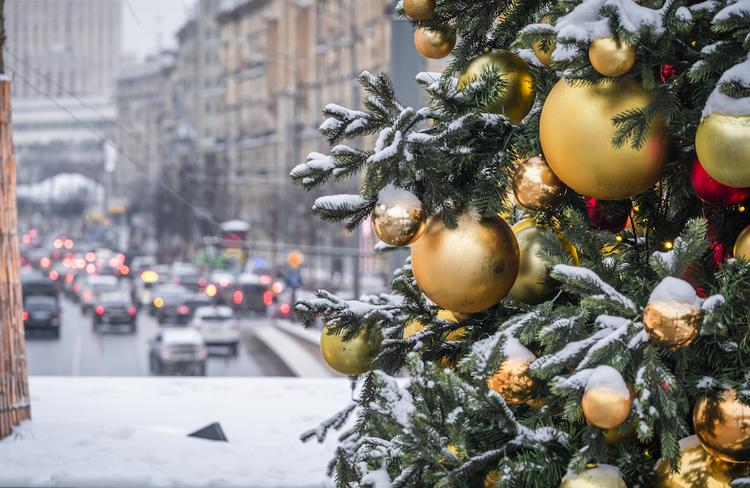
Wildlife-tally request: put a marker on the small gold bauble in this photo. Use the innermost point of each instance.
(606, 400)
(723, 427)
(722, 143)
(545, 55)
(419, 9)
(512, 379)
(579, 147)
(536, 186)
(619, 435)
(517, 98)
(670, 322)
(467, 269)
(491, 478)
(415, 326)
(697, 468)
(397, 219)
(531, 285)
(742, 245)
(349, 357)
(611, 57)
(435, 44)
(599, 476)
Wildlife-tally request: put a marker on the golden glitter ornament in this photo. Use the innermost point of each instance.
(536, 186)
(419, 9)
(397, 219)
(723, 427)
(742, 245)
(611, 57)
(673, 315)
(697, 468)
(576, 133)
(722, 143)
(512, 379)
(531, 285)
(596, 476)
(349, 357)
(467, 269)
(435, 43)
(517, 97)
(606, 400)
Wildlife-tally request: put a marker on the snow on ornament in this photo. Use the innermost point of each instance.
(606, 400)
(512, 379)
(595, 476)
(673, 315)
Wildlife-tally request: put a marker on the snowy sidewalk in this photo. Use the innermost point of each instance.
(131, 432)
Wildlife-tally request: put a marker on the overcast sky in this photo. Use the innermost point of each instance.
(147, 23)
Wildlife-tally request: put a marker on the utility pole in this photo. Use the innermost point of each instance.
(14, 389)
(355, 105)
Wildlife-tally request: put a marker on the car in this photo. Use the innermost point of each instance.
(250, 295)
(166, 298)
(34, 283)
(42, 312)
(178, 350)
(180, 310)
(218, 326)
(94, 286)
(192, 281)
(139, 264)
(114, 309)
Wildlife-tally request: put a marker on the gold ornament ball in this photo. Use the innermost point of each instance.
(673, 323)
(512, 379)
(545, 55)
(536, 186)
(599, 476)
(397, 219)
(435, 44)
(697, 468)
(517, 98)
(611, 57)
(467, 269)
(619, 435)
(349, 357)
(491, 478)
(606, 400)
(531, 285)
(415, 326)
(742, 245)
(419, 9)
(576, 132)
(724, 427)
(722, 144)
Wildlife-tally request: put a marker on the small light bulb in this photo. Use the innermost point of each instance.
(741, 208)
(668, 245)
(618, 238)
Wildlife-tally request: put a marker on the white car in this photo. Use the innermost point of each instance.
(218, 326)
(178, 350)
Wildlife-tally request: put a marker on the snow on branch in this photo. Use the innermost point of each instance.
(584, 281)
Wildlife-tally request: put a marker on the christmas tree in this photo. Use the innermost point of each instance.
(575, 308)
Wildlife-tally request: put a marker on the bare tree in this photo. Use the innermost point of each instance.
(14, 389)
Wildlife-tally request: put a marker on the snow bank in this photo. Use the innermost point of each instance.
(128, 432)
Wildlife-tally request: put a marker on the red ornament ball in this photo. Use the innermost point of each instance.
(667, 72)
(713, 192)
(611, 215)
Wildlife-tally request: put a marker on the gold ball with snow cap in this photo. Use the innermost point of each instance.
(398, 219)
(595, 476)
(673, 315)
(512, 379)
(606, 400)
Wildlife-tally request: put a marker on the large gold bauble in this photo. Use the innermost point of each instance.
(467, 269)
(531, 285)
(397, 219)
(724, 427)
(435, 44)
(349, 357)
(606, 400)
(670, 322)
(697, 468)
(536, 186)
(611, 57)
(742, 245)
(517, 98)
(723, 147)
(576, 132)
(419, 9)
(601, 476)
(512, 379)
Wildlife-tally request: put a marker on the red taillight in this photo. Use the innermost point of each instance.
(238, 297)
(132, 311)
(99, 310)
(202, 282)
(25, 315)
(54, 275)
(267, 297)
(124, 270)
(285, 308)
(183, 310)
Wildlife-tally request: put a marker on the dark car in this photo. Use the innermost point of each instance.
(114, 309)
(250, 295)
(166, 299)
(193, 282)
(42, 312)
(182, 311)
(37, 284)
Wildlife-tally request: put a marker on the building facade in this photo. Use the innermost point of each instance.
(64, 46)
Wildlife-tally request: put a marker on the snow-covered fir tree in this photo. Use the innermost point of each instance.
(602, 340)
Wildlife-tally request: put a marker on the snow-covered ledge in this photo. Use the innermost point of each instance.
(131, 432)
